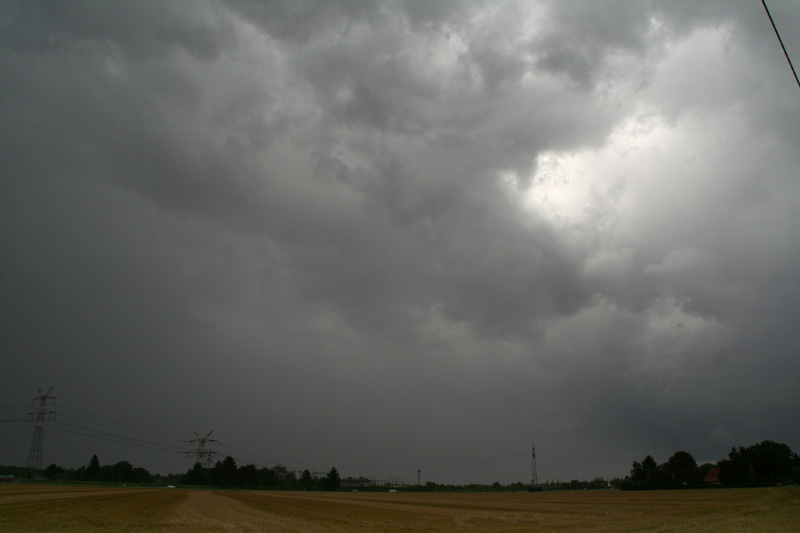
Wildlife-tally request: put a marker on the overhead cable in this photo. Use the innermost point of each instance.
(781, 41)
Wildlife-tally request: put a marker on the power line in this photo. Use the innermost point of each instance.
(107, 429)
(266, 461)
(162, 465)
(438, 464)
(764, 2)
(79, 430)
(104, 433)
(118, 429)
(177, 436)
(583, 461)
(485, 460)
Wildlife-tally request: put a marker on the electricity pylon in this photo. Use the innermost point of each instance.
(534, 479)
(40, 413)
(203, 454)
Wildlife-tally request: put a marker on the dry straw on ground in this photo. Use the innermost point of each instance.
(55, 508)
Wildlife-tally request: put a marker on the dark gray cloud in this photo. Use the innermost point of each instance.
(403, 235)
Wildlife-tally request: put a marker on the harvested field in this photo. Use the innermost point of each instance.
(56, 508)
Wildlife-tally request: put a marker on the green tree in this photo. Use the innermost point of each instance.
(122, 472)
(681, 470)
(283, 477)
(764, 463)
(106, 473)
(306, 480)
(195, 475)
(772, 461)
(598, 483)
(332, 481)
(248, 476)
(53, 472)
(225, 474)
(93, 470)
(645, 475)
(141, 475)
(266, 477)
(751, 474)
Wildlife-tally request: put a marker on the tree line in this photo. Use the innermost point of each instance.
(765, 463)
(227, 474)
(224, 473)
(121, 472)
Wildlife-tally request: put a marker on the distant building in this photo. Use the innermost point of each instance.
(356, 482)
(6, 478)
(712, 477)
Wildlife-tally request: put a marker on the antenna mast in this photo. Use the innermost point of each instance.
(534, 479)
(40, 413)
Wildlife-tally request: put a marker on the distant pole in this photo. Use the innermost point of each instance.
(534, 480)
(418, 476)
(40, 413)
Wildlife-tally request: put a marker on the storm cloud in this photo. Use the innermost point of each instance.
(398, 235)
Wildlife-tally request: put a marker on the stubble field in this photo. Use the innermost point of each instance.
(61, 508)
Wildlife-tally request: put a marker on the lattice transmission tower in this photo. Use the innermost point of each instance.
(202, 452)
(40, 413)
(534, 478)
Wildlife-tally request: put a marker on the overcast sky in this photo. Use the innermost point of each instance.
(397, 235)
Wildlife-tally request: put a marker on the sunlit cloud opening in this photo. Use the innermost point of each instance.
(583, 187)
